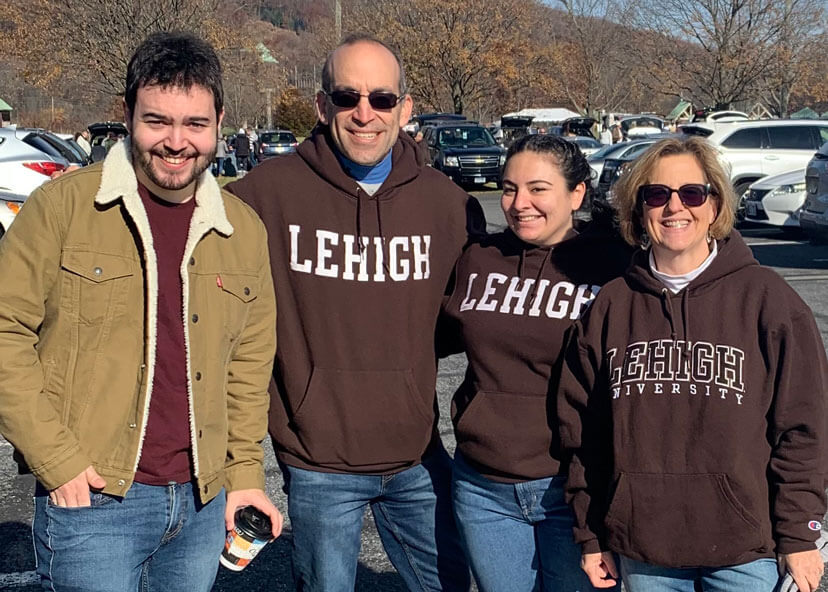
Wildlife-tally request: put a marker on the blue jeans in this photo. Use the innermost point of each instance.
(757, 576)
(518, 536)
(155, 538)
(412, 511)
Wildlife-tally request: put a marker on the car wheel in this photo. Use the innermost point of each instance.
(741, 189)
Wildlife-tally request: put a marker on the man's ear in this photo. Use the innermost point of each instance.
(321, 104)
(218, 123)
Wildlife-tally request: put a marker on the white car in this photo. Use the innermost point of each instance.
(23, 166)
(775, 200)
(755, 149)
(10, 204)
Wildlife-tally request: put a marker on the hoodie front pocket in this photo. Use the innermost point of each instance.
(681, 520)
(363, 417)
(507, 431)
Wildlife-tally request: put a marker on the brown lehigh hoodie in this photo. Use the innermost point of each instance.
(510, 310)
(359, 282)
(697, 420)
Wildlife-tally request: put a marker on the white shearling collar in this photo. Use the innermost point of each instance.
(118, 181)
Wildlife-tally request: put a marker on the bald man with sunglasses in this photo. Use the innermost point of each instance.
(363, 239)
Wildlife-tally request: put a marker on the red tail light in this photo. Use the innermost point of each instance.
(294, 143)
(44, 167)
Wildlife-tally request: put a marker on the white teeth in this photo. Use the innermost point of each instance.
(173, 159)
(365, 136)
(676, 223)
(526, 218)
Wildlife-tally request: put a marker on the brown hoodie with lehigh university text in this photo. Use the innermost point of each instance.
(512, 306)
(359, 281)
(697, 419)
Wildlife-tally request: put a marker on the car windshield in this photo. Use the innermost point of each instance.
(465, 137)
(586, 142)
(277, 138)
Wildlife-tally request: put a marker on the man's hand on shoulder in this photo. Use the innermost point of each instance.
(257, 499)
(75, 493)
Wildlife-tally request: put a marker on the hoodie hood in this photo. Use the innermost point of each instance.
(734, 255)
(320, 154)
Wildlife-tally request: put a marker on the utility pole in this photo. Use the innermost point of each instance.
(338, 19)
(269, 92)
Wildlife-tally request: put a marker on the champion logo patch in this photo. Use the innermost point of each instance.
(814, 525)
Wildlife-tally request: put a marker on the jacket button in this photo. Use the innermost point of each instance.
(195, 318)
(198, 375)
(192, 260)
(97, 271)
(132, 426)
(246, 291)
(121, 482)
(199, 433)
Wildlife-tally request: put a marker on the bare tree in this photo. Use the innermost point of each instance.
(593, 55)
(712, 51)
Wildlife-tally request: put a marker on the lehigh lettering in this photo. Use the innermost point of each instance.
(399, 258)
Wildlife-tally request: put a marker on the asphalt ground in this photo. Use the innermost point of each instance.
(805, 266)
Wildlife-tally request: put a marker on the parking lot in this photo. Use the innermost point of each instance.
(804, 265)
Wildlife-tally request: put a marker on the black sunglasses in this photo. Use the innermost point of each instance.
(348, 99)
(691, 195)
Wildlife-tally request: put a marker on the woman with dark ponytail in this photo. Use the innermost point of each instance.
(515, 297)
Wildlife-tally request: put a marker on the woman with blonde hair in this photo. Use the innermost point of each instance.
(693, 399)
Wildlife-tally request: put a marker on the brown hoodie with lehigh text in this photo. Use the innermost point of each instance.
(697, 419)
(359, 280)
(512, 306)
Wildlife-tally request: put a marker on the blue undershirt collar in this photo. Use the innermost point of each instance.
(370, 175)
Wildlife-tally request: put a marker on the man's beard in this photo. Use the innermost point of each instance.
(172, 182)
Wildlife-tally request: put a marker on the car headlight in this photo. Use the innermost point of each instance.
(452, 161)
(786, 189)
(502, 159)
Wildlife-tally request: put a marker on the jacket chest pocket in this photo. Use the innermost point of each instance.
(238, 291)
(96, 286)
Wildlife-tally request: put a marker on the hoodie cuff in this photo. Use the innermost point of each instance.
(785, 546)
(591, 546)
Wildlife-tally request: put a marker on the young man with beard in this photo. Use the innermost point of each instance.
(363, 237)
(136, 343)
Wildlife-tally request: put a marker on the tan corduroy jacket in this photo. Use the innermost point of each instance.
(78, 301)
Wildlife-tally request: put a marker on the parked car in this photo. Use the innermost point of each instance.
(9, 206)
(99, 132)
(26, 162)
(638, 126)
(514, 127)
(775, 200)
(813, 217)
(709, 114)
(577, 126)
(276, 143)
(466, 152)
(616, 151)
(755, 149)
(587, 145)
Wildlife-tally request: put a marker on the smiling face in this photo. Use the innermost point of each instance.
(536, 201)
(363, 134)
(174, 133)
(678, 233)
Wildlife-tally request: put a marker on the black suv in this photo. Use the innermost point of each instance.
(466, 152)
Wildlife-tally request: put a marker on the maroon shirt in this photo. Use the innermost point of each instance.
(165, 454)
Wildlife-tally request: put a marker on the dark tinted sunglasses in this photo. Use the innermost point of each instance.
(691, 195)
(348, 99)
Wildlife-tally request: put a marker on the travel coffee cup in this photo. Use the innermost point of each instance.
(243, 543)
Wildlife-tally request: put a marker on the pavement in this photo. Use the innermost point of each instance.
(805, 267)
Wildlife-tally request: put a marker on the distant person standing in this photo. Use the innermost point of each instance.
(221, 155)
(82, 139)
(254, 146)
(241, 145)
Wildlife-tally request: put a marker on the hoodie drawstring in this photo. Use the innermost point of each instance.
(685, 316)
(359, 221)
(668, 309)
(359, 197)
